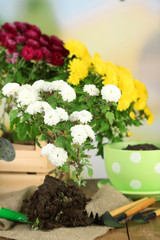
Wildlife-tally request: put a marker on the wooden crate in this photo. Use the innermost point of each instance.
(28, 168)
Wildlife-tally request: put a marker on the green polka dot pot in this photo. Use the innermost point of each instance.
(135, 173)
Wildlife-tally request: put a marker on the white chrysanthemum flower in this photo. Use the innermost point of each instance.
(58, 85)
(68, 93)
(41, 85)
(58, 156)
(91, 89)
(74, 116)
(10, 89)
(34, 108)
(90, 132)
(46, 106)
(111, 93)
(63, 115)
(46, 150)
(83, 116)
(51, 117)
(79, 134)
(27, 95)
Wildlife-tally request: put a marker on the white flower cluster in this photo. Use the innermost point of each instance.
(38, 107)
(10, 89)
(111, 93)
(54, 116)
(27, 94)
(51, 116)
(82, 116)
(81, 132)
(91, 89)
(65, 90)
(56, 155)
(24, 94)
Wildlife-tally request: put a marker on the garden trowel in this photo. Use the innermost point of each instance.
(113, 219)
(13, 215)
(139, 218)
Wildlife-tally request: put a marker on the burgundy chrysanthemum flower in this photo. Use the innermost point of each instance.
(56, 41)
(10, 27)
(27, 53)
(46, 52)
(32, 43)
(36, 29)
(57, 59)
(20, 39)
(43, 42)
(38, 55)
(46, 37)
(27, 25)
(9, 43)
(20, 26)
(32, 34)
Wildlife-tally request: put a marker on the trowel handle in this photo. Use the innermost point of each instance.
(157, 212)
(126, 207)
(140, 207)
(12, 215)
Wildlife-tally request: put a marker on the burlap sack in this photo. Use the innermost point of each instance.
(107, 198)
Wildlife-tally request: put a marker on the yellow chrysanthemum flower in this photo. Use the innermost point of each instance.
(132, 115)
(124, 102)
(142, 95)
(78, 49)
(129, 134)
(99, 65)
(111, 74)
(78, 71)
(126, 85)
(150, 119)
(149, 115)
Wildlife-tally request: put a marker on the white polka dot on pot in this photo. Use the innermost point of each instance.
(157, 168)
(116, 167)
(135, 184)
(135, 157)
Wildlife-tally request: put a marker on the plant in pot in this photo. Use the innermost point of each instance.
(134, 167)
(88, 100)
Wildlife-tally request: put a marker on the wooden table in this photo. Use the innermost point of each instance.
(131, 231)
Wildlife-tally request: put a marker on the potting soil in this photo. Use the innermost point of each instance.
(56, 204)
(142, 147)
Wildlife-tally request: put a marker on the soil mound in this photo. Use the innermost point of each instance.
(57, 204)
(142, 147)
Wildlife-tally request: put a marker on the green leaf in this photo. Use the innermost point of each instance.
(90, 172)
(13, 114)
(61, 142)
(22, 130)
(37, 142)
(42, 137)
(13, 122)
(65, 167)
(110, 117)
(34, 132)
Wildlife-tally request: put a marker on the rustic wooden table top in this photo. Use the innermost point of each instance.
(131, 231)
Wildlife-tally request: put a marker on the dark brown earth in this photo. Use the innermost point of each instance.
(57, 204)
(142, 147)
